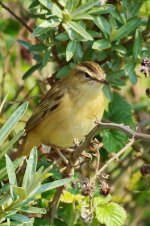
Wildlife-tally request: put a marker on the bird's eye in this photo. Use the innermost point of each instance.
(87, 75)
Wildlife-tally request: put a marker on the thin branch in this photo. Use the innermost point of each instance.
(16, 17)
(125, 129)
(116, 156)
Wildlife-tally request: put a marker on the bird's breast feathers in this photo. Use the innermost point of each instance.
(72, 119)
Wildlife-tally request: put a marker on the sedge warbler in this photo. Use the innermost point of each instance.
(68, 110)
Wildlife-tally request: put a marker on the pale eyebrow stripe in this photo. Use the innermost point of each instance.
(89, 67)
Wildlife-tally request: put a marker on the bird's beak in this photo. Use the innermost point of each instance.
(102, 81)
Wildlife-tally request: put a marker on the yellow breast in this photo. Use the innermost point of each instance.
(73, 119)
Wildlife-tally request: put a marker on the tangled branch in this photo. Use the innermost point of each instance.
(78, 150)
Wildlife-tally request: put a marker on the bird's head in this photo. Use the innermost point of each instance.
(90, 72)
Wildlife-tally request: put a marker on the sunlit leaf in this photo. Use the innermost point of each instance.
(125, 29)
(33, 209)
(111, 214)
(70, 50)
(17, 163)
(101, 44)
(84, 8)
(72, 4)
(52, 7)
(46, 26)
(83, 16)
(80, 30)
(137, 48)
(103, 24)
(11, 171)
(12, 121)
(10, 144)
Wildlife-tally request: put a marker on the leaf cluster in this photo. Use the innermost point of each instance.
(18, 200)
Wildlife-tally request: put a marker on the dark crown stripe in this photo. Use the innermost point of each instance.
(89, 66)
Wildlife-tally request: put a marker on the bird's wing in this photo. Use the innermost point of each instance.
(50, 103)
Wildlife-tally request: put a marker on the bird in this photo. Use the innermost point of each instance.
(68, 110)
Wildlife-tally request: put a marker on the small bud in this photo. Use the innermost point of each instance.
(148, 92)
(104, 189)
(145, 170)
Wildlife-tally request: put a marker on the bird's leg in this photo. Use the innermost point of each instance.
(63, 149)
(62, 156)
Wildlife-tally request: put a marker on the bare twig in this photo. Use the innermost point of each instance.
(115, 156)
(126, 129)
(98, 161)
(16, 16)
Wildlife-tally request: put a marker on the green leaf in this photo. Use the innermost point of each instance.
(33, 4)
(34, 210)
(130, 71)
(11, 171)
(83, 16)
(107, 92)
(119, 48)
(125, 29)
(70, 50)
(101, 44)
(30, 169)
(43, 188)
(63, 2)
(100, 200)
(38, 47)
(20, 192)
(78, 51)
(102, 9)
(7, 147)
(84, 8)
(52, 7)
(119, 110)
(46, 57)
(72, 4)
(62, 37)
(69, 31)
(115, 78)
(17, 162)
(63, 71)
(118, 16)
(80, 30)
(102, 23)
(137, 47)
(46, 26)
(20, 218)
(111, 214)
(52, 185)
(145, 9)
(32, 163)
(31, 70)
(5, 199)
(26, 45)
(12, 121)
(113, 140)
